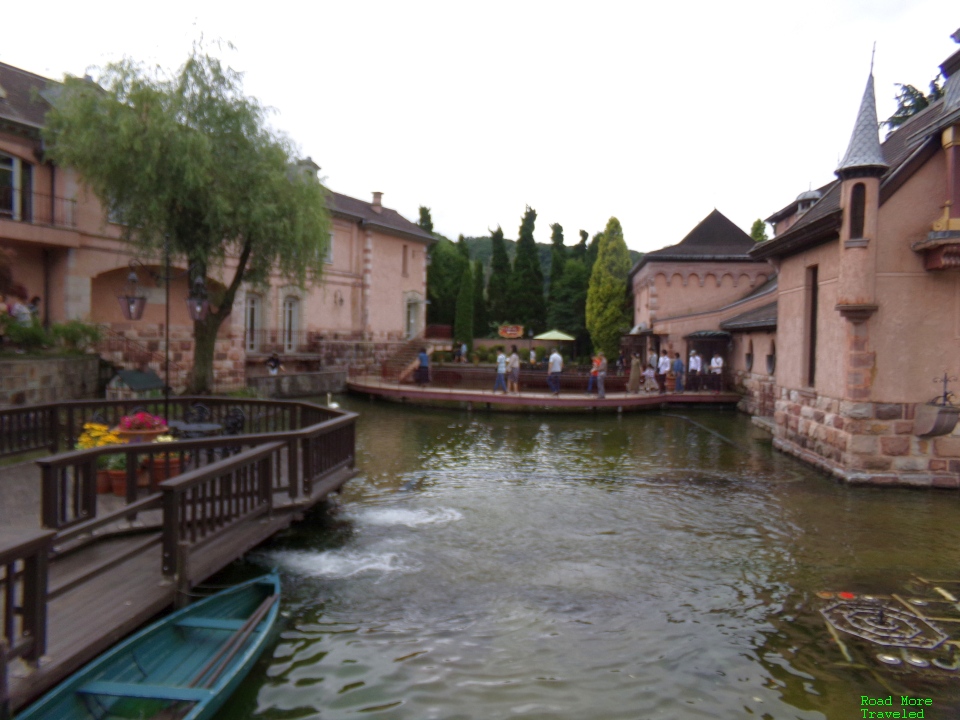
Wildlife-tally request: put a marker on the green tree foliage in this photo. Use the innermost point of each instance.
(758, 231)
(463, 247)
(607, 317)
(498, 286)
(558, 254)
(592, 249)
(443, 282)
(425, 221)
(579, 251)
(910, 101)
(463, 325)
(568, 304)
(480, 323)
(191, 158)
(527, 304)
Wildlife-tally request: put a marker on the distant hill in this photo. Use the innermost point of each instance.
(481, 248)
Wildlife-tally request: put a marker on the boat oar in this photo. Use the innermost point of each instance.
(235, 641)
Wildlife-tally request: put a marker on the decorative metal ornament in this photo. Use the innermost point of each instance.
(883, 624)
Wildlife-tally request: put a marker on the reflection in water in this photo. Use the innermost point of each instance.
(649, 565)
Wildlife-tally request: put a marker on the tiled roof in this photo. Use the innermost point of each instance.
(22, 103)
(864, 148)
(756, 319)
(390, 221)
(715, 238)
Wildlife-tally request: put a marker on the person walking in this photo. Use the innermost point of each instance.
(554, 368)
(601, 375)
(693, 371)
(513, 367)
(678, 372)
(663, 367)
(501, 381)
(423, 371)
(594, 365)
(621, 363)
(636, 374)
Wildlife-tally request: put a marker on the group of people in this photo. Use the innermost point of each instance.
(691, 376)
(18, 308)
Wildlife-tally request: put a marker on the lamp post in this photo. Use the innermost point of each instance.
(133, 303)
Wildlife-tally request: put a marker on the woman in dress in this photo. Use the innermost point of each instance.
(636, 374)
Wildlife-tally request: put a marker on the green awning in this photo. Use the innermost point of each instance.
(140, 381)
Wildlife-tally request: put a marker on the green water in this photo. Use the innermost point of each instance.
(652, 565)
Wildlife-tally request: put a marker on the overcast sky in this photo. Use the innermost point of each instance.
(654, 113)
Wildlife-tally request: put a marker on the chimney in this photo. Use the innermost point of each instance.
(377, 205)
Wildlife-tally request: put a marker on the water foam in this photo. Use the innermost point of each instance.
(341, 563)
(410, 518)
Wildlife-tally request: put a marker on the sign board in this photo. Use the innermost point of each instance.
(511, 331)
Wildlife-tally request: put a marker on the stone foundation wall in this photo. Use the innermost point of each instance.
(757, 391)
(44, 380)
(864, 442)
(299, 385)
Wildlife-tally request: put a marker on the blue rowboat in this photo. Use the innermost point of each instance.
(182, 667)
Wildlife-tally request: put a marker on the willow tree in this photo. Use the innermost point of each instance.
(607, 317)
(189, 161)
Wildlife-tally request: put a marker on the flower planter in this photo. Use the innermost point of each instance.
(118, 482)
(158, 471)
(104, 486)
(136, 436)
(933, 420)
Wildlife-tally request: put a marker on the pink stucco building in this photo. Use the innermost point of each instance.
(869, 303)
(68, 252)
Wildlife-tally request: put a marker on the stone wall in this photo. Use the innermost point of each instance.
(288, 385)
(757, 392)
(34, 380)
(864, 442)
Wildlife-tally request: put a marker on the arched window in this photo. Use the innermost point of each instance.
(291, 323)
(858, 208)
(749, 358)
(251, 323)
(772, 358)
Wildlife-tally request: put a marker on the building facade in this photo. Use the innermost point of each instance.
(869, 303)
(67, 251)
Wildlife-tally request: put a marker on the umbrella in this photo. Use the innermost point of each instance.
(555, 335)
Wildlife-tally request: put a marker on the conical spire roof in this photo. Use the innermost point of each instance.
(864, 150)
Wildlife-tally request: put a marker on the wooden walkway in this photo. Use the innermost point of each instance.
(70, 592)
(528, 401)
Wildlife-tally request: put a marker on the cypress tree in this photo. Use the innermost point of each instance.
(443, 277)
(568, 304)
(558, 255)
(579, 251)
(480, 322)
(498, 286)
(607, 317)
(592, 249)
(463, 325)
(526, 286)
(425, 221)
(463, 247)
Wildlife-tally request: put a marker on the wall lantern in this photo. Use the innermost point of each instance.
(132, 302)
(197, 303)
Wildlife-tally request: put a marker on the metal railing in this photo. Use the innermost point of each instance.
(36, 208)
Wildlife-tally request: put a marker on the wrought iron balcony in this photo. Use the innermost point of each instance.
(36, 208)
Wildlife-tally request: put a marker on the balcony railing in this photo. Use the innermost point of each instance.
(36, 208)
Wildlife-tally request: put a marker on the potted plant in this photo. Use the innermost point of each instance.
(96, 435)
(117, 473)
(141, 426)
(163, 466)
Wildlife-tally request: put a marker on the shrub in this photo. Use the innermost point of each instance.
(28, 337)
(76, 335)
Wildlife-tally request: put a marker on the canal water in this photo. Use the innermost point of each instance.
(650, 565)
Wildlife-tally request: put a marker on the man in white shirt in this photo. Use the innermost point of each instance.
(693, 371)
(716, 369)
(501, 381)
(554, 368)
(663, 367)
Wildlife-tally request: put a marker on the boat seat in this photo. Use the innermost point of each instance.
(211, 623)
(143, 691)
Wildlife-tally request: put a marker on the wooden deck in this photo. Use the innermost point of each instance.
(528, 401)
(70, 591)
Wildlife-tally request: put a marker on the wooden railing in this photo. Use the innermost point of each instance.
(323, 437)
(28, 429)
(23, 604)
(202, 504)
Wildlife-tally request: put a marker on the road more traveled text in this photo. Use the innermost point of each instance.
(913, 707)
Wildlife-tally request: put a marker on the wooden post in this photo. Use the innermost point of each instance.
(35, 601)
(49, 502)
(293, 468)
(171, 531)
(4, 687)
